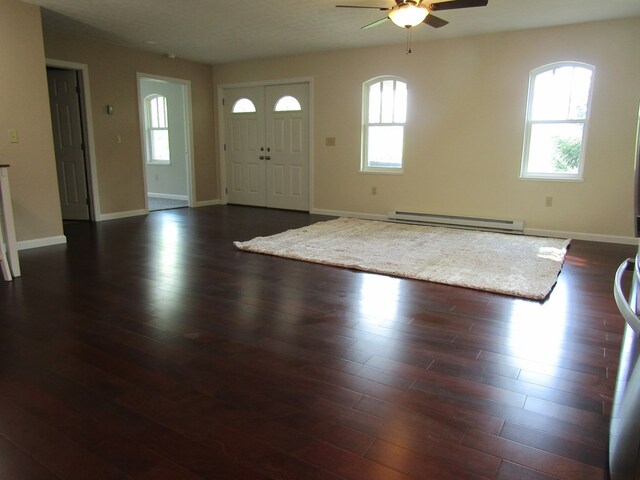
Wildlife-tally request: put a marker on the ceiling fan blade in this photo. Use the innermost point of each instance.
(363, 6)
(435, 22)
(376, 23)
(453, 4)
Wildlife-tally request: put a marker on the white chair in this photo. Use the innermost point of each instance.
(9, 261)
(4, 265)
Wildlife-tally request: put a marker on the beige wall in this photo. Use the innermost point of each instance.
(112, 77)
(25, 108)
(466, 124)
(464, 136)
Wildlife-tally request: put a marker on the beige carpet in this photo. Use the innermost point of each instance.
(516, 265)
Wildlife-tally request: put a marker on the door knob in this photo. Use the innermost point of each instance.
(261, 157)
(268, 157)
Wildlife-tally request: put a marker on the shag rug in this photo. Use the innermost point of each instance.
(516, 265)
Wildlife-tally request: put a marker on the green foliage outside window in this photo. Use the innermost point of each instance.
(567, 154)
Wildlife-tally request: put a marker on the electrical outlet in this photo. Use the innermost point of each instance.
(548, 201)
(374, 190)
(13, 136)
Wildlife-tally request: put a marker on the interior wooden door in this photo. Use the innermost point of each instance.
(66, 121)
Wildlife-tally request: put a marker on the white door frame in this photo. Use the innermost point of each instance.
(221, 121)
(88, 137)
(191, 188)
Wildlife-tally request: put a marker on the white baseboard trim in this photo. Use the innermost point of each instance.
(208, 203)
(41, 242)
(340, 213)
(168, 196)
(591, 237)
(114, 216)
(537, 232)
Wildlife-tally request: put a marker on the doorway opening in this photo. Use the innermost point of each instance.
(165, 113)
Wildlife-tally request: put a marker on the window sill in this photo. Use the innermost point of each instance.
(551, 178)
(159, 164)
(383, 171)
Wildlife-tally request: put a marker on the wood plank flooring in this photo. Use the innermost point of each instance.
(150, 348)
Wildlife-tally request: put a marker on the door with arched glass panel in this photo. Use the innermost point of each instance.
(287, 140)
(267, 146)
(244, 139)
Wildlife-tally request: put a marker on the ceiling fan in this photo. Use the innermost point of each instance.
(409, 13)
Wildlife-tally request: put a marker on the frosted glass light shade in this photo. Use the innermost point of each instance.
(408, 15)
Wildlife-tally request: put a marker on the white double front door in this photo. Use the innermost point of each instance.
(267, 146)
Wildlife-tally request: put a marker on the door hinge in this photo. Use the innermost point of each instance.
(224, 146)
(226, 190)
(223, 102)
(78, 89)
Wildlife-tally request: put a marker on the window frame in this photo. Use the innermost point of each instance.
(150, 129)
(525, 174)
(364, 153)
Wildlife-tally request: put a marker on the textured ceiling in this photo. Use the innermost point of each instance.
(223, 31)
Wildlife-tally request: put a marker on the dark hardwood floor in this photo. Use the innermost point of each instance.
(150, 348)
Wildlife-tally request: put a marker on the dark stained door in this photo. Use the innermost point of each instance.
(68, 142)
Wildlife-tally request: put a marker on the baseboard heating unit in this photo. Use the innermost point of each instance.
(474, 223)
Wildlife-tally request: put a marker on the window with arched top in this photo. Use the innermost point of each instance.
(556, 121)
(384, 114)
(157, 129)
(287, 104)
(243, 105)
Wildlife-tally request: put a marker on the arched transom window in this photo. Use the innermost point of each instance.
(384, 114)
(243, 105)
(556, 121)
(157, 127)
(287, 104)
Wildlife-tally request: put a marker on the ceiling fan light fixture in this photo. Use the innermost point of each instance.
(408, 15)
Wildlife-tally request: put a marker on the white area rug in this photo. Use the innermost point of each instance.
(516, 265)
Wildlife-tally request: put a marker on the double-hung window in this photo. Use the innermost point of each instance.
(556, 122)
(384, 115)
(157, 127)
